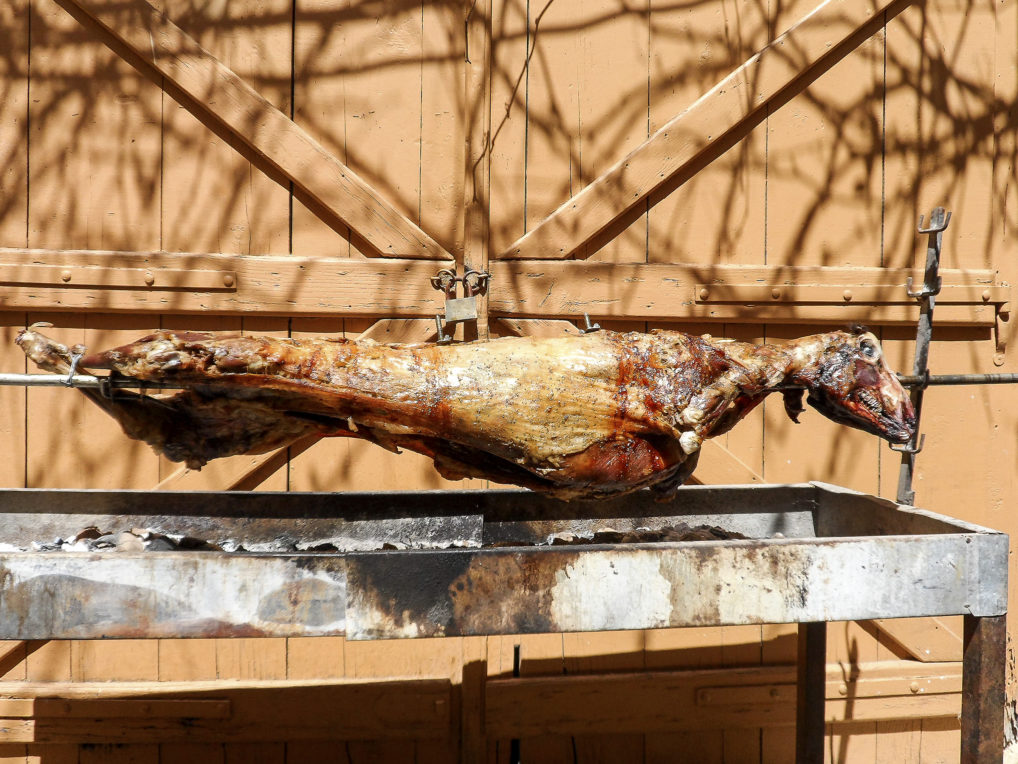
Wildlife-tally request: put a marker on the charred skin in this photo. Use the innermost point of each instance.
(577, 416)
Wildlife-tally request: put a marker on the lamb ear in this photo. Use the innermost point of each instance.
(793, 404)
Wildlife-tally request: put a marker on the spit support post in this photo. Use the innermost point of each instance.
(927, 296)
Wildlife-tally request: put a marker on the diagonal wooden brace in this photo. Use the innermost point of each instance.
(235, 111)
(705, 130)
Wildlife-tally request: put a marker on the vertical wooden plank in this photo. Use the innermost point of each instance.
(899, 741)
(403, 658)
(54, 423)
(315, 657)
(256, 753)
(94, 148)
(95, 660)
(850, 743)
(192, 753)
(677, 649)
(243, 658)
(599, 652)
(13, 402)
(614, 108)
(1005, 224)
(477, 168)
(824, 168)
(111, 753)
(214, 200)
(543, 655)
(779, 645)
(48, 661)
(45, 753)
(358, 91)
(14, 82)
(302, 751)
(14, 85)
(187, 660)
(939, 741)
(251, 658)
(552, 150)
(511, 42)
(443, 127)
(717, 216)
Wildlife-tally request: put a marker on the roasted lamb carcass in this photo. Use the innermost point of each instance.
(577, 416)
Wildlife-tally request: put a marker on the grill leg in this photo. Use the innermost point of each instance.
(982, 692)
(811, 685)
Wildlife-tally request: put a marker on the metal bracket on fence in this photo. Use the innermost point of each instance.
(927, 296)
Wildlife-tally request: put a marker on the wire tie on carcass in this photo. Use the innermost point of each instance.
(588, 327)
(69, 382)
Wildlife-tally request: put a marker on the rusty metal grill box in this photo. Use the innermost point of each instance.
(480, 562)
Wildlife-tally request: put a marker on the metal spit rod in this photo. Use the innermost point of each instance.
(87, 381)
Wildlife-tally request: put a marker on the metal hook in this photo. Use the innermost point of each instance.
(74, 369)
(923, 292)
(588, 327)
(935, 228)
(907, 448)
(443, 338)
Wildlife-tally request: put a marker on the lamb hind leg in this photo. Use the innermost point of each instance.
(667, 489)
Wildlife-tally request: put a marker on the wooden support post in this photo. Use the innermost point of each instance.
(982, 705)
(809, 712)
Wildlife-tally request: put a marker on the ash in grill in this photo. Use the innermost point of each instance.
(94, 539)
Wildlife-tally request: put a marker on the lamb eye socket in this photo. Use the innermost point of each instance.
(869, 349)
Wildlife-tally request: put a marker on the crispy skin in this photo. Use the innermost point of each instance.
(577, 416)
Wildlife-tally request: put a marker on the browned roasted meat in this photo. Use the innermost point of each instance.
(587, 415)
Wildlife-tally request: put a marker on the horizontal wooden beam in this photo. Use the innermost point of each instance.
(671, 701)
(735, 293)
(707, 128)
(218, 98)
(88, 280)
(247, 284)
(222, 712)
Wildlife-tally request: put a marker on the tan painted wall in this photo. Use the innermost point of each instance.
(94, 156)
